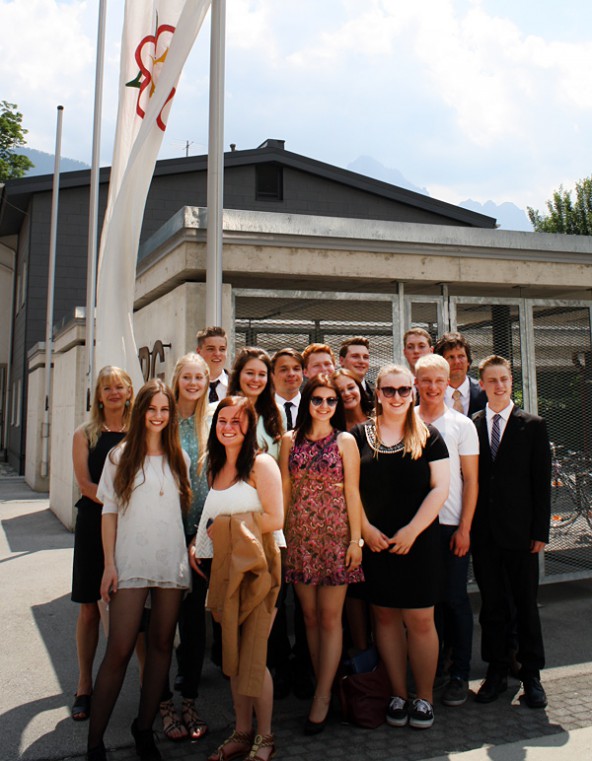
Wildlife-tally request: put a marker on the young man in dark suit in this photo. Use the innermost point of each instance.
(510, 528)
(464, 394)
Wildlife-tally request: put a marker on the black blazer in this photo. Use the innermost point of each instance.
(477, 397)
(369, 390)
(514, 503)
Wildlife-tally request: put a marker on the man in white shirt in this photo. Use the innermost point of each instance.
(454, 615)
(463, 393)
(286, 370)
(212, 344)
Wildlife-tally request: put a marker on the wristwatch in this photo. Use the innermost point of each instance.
(359, 542)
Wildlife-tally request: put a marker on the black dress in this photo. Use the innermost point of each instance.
(87, 570)
(392, 487)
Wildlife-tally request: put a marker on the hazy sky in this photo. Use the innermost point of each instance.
(487, 99)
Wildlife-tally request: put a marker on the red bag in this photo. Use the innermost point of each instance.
(365, 697)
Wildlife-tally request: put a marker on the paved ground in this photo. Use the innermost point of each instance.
(38, 670)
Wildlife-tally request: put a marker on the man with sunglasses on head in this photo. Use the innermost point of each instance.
(454, 615)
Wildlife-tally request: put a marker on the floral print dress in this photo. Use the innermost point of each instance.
(317, 528)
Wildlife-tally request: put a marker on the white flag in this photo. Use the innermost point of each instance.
(157, 38)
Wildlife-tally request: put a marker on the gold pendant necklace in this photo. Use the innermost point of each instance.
(161, 492)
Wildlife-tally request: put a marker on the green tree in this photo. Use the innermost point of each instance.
(565, 215)
(12, 135)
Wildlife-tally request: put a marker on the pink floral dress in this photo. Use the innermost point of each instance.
(317, 529)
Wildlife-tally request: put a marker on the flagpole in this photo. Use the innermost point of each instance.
(91, 267)
(50, 294)
(215, 182)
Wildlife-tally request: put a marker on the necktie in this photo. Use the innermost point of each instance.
(213, 397)
(495, 436)
(457, 404)
(288, 407)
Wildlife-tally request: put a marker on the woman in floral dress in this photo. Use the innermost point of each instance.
(320, 471)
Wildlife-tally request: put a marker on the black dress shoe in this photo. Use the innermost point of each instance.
(491, 687)
(315, 727)
(534, 693)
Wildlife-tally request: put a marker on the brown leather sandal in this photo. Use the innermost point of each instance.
(172, 726)
(196, 726)
(238, 738)
(261, 741)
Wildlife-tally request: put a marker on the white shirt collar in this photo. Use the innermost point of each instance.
(464, 389)
(505, 413)
(279, 400)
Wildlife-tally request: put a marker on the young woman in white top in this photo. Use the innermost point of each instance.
(144, 487)
(241, 479)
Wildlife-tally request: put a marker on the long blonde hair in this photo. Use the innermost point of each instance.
(201, 406)
(93, 428)
(415, 431)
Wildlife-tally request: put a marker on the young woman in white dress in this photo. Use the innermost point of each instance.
(144, 488)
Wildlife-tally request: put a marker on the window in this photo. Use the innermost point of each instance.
(269, 182)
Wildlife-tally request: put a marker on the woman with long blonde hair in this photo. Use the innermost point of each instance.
(109, 419)
(144, 488)
(404, 478)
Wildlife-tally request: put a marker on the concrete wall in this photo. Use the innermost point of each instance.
(174, 320)
(68, 412)
(35, 415)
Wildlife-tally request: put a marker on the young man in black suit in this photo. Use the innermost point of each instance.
(510, 528)
(464, 394)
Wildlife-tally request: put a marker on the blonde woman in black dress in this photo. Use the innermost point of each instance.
(404, 477)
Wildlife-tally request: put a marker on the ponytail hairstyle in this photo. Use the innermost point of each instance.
(133, 454)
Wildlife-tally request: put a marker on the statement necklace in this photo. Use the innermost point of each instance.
(110, 430)
(161, 492)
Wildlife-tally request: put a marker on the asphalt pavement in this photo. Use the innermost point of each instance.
(38, 675)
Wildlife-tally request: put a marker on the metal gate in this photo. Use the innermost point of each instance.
(548, 342)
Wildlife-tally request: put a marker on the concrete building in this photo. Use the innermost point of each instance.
(265, 179)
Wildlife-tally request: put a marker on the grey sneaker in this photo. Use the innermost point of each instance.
(397, 713)
(456, 692)
(421, 715)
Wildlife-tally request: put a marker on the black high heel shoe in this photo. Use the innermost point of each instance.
(315, 727)
(145, 745)
(98, 753)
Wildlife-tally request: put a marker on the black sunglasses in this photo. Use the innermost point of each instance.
(390, 391)
(318, 400)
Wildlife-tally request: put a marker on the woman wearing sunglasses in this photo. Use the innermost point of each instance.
(320, 473)
(404, 478)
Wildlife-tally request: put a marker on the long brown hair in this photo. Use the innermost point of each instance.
(415, 432)
(133, 454)
(93, 428)
(201, 406)
(365, 403)
(265, 405)
(304, 418)
(249, 448)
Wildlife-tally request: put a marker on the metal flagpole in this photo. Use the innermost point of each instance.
(91, 272)
(50, 294)
(215, 185)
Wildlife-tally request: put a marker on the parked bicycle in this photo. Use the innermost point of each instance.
(571, 487)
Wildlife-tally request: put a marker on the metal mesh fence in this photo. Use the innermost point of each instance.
(493, 329)
(564, 383)
(276, 322)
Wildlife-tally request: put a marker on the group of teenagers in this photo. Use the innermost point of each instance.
(225, 490)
